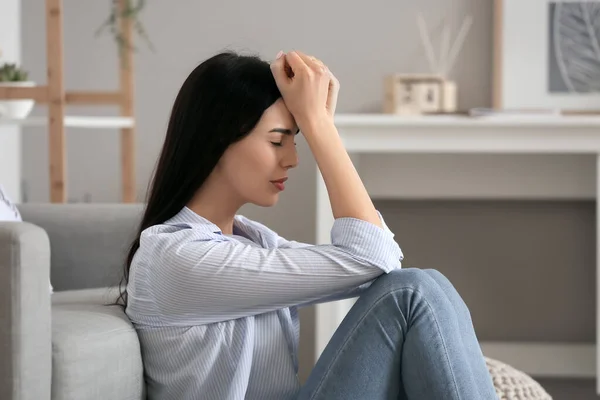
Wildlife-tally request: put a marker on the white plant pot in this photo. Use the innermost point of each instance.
(16, 109)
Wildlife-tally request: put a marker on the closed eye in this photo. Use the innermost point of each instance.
(278, 144)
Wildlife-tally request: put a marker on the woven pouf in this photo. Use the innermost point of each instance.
(512, 384)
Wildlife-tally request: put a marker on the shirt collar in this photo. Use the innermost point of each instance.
(188, 217)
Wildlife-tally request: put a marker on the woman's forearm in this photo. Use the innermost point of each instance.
(347, 194)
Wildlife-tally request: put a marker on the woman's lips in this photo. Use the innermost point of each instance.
(279, 185)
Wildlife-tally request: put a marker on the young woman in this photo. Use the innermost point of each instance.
(214, 295)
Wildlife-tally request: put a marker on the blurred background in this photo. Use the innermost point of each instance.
(515, 233)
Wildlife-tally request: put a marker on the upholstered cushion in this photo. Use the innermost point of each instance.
(95, 349)
(512, 384)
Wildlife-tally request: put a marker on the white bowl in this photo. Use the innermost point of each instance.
(16, 109)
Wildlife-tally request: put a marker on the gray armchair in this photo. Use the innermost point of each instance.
(68, 345)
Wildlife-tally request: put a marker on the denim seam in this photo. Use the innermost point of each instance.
(375, 303)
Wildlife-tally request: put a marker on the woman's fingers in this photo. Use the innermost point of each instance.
(334, 83)
(332, 97)
(308, 88)
(296, 62)
(312, 62)
(278, 69)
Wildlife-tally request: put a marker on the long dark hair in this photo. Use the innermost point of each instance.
(219, 103)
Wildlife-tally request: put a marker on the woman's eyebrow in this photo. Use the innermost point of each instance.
(284, 131)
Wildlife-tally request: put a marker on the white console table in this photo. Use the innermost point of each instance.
(375, 134)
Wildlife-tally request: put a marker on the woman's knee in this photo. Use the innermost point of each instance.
(411, 278)
(439, 277)
(450, 291)
(409, 287)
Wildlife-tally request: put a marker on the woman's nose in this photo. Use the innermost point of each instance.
(290, 159)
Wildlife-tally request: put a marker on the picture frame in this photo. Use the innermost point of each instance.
(546, 55)
(417, 94)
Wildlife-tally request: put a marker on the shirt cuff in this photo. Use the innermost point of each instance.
(368, 242)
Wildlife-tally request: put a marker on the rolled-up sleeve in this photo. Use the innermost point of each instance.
(347, 293)
(203, 280)
(368, 242)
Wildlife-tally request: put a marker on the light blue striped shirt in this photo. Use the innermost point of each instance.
(217, 315)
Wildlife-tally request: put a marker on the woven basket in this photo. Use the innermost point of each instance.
(512, 384)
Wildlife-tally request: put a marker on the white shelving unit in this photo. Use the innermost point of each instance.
(74, 122)
(382, 135)
(56, 98)
(10, 136)
(372, 133)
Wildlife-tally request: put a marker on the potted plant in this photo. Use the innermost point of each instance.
(130, 9)
(13, 75)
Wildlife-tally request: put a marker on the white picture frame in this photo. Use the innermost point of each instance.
(542, 58)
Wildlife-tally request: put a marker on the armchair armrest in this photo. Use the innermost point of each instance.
(25, 331)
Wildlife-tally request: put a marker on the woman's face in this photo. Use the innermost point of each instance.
(252, 166)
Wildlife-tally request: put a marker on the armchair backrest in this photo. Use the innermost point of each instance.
(88, 241)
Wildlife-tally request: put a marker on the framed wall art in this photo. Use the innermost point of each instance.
(546, 55)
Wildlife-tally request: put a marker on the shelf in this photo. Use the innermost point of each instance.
(382, 133)
(75, 122)
(389, 120)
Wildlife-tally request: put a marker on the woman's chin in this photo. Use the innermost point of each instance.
(267, 201)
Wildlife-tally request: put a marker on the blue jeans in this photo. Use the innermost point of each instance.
(409, 336)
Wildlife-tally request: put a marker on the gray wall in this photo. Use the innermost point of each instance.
(371, 39)
(491, 250)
